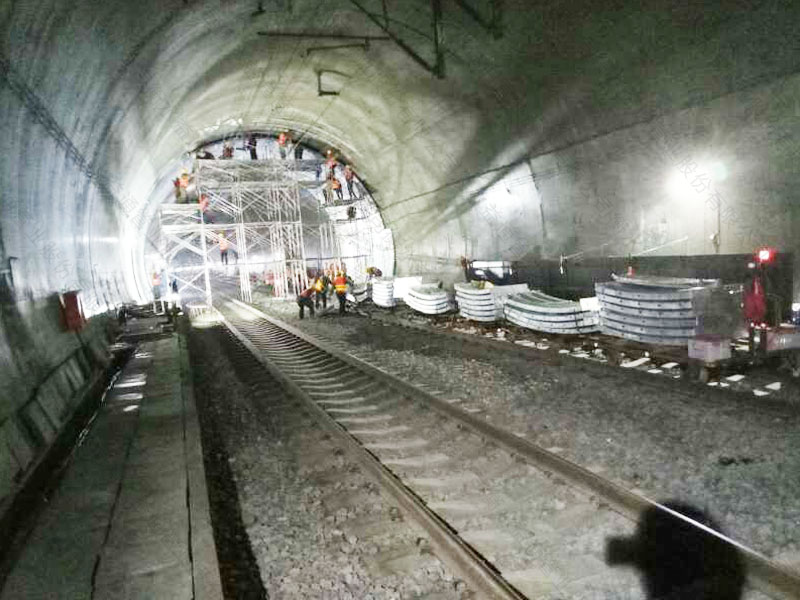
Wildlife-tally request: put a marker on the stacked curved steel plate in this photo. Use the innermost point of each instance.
(383, 292)
(536, 310)
(358, 292)
(429, 299)
(653, 310)
(484, 304)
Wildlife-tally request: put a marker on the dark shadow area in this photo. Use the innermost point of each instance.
(677, 559)
(238, 566)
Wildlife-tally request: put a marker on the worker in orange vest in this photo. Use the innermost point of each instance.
(340, 286)
(304, 300)
(320, 291)
(337, 187)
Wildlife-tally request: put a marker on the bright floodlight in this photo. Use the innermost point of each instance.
(679, 187)
(764, 255)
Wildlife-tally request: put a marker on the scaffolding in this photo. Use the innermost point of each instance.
(186, 248)
(255, 206)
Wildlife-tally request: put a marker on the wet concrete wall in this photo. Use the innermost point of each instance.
(45, 374)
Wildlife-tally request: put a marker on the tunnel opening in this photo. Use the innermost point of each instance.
(267, 210)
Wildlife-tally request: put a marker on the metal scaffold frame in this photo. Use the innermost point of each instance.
(258, 202)
(184, 234)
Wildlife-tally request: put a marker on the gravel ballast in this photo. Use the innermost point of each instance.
(735, 455)
(290, 505)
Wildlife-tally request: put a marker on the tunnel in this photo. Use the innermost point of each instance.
(554, 136)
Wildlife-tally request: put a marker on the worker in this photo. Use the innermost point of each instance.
(156, 286)
(178, 190)
(252, 145)
(330, 166)
(348, 179)
(304, 300)
(755, 310)
(327, 191)
(223, 249)
(227, 150)
(284, 141)
(340, 286)
(202, 200)
(320, 291)
(337, 187)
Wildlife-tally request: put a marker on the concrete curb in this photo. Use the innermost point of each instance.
(205, 566)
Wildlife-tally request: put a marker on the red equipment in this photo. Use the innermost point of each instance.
(755, 301)
(765, 255)
(72, 318)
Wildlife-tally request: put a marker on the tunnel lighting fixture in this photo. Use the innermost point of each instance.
(678, 186)
(131, 408)
(795, 306)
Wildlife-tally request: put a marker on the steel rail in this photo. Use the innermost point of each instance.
(773, 579)
(476, 571)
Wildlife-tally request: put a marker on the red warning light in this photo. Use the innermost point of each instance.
(765, 255)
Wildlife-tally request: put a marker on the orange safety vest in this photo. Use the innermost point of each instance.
(223, 244)
(340, 284)
(319, 285)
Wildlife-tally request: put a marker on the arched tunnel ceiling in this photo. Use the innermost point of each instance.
(101, 101)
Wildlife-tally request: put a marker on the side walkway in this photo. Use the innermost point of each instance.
(130, 518)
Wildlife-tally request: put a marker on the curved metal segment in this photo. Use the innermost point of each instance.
(646, 294)
(632, 318)
(646, 339)
(648, 304)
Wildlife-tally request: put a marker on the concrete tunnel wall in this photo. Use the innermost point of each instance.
(563, 135)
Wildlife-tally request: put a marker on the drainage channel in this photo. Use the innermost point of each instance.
(500, 504)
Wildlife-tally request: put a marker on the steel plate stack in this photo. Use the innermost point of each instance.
(484, 304)
(383, 292)
(403, 284)
(429, 299)
(538, 311)
(358, 292)
(653, 310)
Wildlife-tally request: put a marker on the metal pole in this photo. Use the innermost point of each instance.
(204, 246)
(438, 37)
(497, 11)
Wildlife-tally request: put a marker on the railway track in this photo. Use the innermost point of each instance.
(513, 519)
(291, 505)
